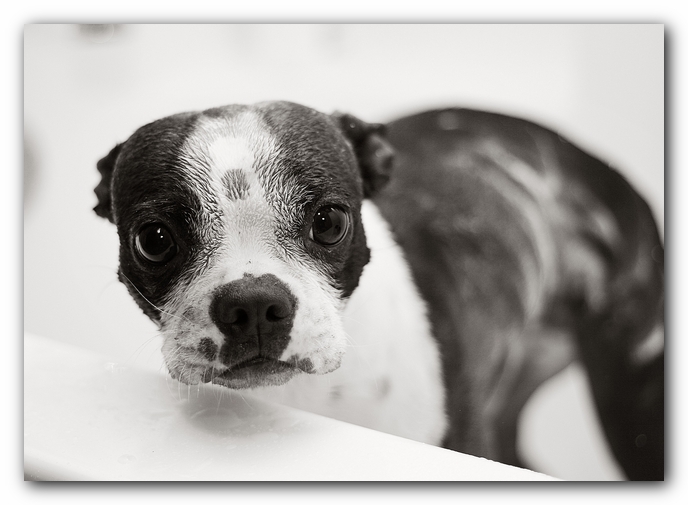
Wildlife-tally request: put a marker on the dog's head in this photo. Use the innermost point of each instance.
(241, 236)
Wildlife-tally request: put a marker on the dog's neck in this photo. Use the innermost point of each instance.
(392, 366)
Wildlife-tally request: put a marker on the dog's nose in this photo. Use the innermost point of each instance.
(255, 314)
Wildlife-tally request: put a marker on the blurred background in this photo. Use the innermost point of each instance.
(87, 87)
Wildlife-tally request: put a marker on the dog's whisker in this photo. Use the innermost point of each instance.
(108, 285)
(162, 311)
(219, 402)
(139, 350)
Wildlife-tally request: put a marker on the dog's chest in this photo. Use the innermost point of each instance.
(390, 379)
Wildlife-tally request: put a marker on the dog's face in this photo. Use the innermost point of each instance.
(240, 235)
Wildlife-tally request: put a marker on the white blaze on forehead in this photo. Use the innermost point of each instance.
(231, 153)
(223, 144)
(225, 157)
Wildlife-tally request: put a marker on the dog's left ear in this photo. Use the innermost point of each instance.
(106, 166)
(374, 154)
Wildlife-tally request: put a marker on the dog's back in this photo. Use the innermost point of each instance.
(530, 254)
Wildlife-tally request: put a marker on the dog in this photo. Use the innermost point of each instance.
(420, 278)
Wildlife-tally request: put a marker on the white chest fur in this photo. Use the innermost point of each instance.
(390, 379)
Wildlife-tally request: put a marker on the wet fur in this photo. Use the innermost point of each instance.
(519, 253)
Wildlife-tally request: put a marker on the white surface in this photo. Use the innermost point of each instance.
(566, 397)
(601, 85)
(86, 418)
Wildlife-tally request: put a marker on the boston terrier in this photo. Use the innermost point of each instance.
(421, 278)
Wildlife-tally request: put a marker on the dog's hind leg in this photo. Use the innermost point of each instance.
(537, 355)
(621, 338)
(628, 386)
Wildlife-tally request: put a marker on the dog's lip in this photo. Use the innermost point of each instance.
(258, 361)
(258, 365)
(254, 372)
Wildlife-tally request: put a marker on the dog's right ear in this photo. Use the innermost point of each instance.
(106, 166)
(374, 153)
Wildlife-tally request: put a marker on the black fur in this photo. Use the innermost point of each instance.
(146, 185)
(106, 166)
(373, 152)
(465, 244)
(314, 154)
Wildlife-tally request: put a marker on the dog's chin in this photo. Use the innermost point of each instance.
(255, 373)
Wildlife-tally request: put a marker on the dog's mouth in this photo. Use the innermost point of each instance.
(255, 372)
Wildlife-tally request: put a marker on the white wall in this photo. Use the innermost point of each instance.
(600, 85)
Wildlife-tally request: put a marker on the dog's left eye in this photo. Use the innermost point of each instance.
(155, 243)
(330, 225)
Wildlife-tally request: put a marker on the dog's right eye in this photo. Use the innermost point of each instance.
(155, 243)
(330, 225)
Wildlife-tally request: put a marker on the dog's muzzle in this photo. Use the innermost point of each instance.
(255, 315)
